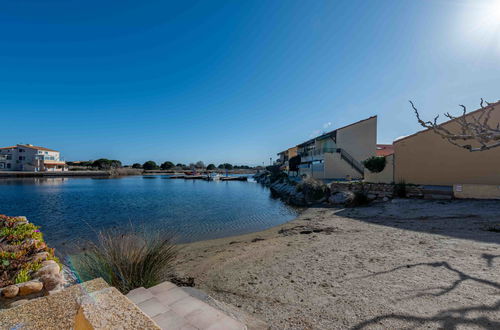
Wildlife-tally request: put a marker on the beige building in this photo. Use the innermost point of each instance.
(27, 157)
(339, 154)
(426, 158)
(284, 157)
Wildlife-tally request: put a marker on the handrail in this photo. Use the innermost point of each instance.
(343, 154)
(352, 161)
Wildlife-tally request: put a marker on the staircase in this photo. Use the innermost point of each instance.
(173, 307)
(351, 161)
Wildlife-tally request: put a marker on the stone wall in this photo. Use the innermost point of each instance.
(376, 190)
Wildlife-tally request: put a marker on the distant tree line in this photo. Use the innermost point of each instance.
(107, 164)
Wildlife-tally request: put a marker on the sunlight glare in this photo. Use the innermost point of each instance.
(480, 24)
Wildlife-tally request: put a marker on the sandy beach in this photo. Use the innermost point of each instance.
(401, 264)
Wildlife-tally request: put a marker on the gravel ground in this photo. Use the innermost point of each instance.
(402, 264)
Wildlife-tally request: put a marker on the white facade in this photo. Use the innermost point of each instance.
(27, 157)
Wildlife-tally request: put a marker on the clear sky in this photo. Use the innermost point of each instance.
(234, 81)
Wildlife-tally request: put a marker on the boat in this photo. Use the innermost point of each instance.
(233, 178)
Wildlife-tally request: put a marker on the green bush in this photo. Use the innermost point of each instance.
(211, 167)
(137, 165)
(127, 259)
(167, 165)
(106, 164)
(150, 165)
(375, 164)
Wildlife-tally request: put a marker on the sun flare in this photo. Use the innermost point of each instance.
(480, 24)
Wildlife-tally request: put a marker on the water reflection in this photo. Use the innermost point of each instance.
(71, 209)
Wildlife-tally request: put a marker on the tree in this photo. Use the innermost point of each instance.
(226, 166)
(106, 164)
(211, 167)
(199, 164)
(150, 165)
(136, 165)
(167, 165)
(472, 128)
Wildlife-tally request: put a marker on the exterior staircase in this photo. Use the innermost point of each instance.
(173, 308)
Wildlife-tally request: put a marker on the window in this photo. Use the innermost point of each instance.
(8, 165)
(9, 157)
(22, 157)
(2, 165)
(21, 150)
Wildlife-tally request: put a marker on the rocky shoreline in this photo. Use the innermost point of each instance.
(308, 191)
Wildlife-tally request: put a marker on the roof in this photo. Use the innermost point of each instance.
(325, 135)
(443, 123)
(384, 150)
(30, 146)
(35, 147)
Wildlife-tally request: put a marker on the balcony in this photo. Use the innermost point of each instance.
(316, 154)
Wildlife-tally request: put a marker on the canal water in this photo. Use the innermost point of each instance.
(70, 210)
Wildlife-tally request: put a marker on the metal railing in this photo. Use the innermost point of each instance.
(343, 154)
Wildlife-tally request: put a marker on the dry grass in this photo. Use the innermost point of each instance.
(127, 260)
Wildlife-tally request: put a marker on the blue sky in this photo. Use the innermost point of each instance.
(234, 81)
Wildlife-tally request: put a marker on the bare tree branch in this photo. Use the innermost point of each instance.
(472, 128)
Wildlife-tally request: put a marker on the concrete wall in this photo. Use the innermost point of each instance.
(386, 176)
(426, 158)
(337, 168)
(477, 191)
(359, 139)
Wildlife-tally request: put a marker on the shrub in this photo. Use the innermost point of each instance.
(150, 165)
(225, 166)
(127, 259)
(167, 165)
(211, 167)
(400, 189)
(106, 164)
(137, 165)
(375, 164)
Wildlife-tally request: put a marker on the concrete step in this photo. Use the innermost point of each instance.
(172, 308)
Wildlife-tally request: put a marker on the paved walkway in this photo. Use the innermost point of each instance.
(173, 308)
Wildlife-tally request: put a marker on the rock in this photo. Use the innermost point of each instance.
(385, 199)
(371, 196)
(10, 291)
(343, 197)
(41, 256)
(49, 267)
(52, 282)
(30, 287)
(19, 302)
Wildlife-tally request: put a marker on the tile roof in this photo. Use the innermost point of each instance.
(384, 149)
(30, 146)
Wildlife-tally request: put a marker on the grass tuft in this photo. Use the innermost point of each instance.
(127, 260)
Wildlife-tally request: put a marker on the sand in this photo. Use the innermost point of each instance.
(402, 264)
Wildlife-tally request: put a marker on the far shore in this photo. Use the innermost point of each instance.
(100, 173)
(404, 263)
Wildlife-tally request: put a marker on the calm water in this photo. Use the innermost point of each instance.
(70, 209)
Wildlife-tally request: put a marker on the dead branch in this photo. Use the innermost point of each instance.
(472, 128)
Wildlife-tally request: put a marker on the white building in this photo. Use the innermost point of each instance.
(27, 157)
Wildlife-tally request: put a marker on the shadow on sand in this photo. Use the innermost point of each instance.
(447, 319)
(476, 220)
